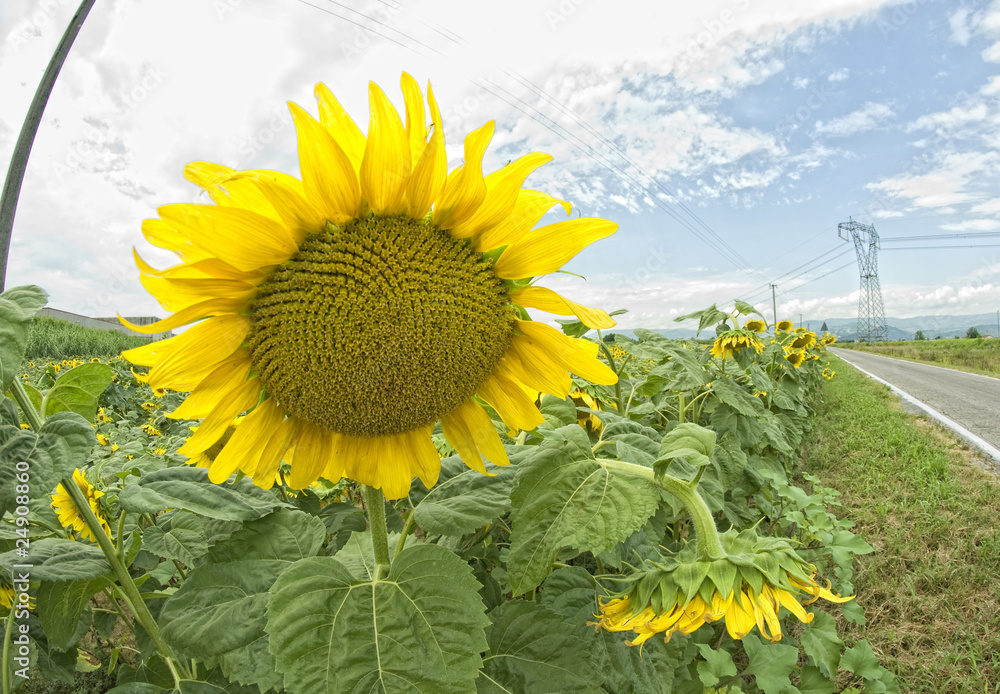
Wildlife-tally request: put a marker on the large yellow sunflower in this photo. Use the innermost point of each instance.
(351, 311)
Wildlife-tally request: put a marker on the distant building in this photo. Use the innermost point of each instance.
(106, 323)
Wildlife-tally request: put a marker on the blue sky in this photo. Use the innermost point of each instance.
(727, 139)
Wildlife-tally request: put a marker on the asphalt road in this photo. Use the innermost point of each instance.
(971, 400)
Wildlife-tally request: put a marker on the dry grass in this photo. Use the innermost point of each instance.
(980, 355)
(931, 590)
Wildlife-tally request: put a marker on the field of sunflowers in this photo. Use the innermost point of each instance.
(366, 467)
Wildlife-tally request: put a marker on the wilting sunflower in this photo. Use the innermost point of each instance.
(828, 339)
(747, 587)
(795, 357)
(757, 326)
(804, 340)
(350, 312)
(784, 325)
(828, 374)
(732, 342)
(69, 516)
(585, 401)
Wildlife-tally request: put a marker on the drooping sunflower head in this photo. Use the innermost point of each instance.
(731, 342)
(828, 374)
(350, 312)
(682, 594)
(67, 512)
(784, 325)
(828, 339)
(795, 357)
(754, 325)
(804, 340)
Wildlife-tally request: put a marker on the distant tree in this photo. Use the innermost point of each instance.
(972, 332)
(824, 328)
(919, 335)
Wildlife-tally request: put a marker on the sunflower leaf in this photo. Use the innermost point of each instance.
(770, 664)
(420, 629)
(17, 307)
(532, 650)
(188, 488)
(563, 502)
(464, 500)
(78, 390)
(57, 559)
(59, 606)
(821, 643)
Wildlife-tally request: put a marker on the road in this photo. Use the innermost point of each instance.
(970, 400)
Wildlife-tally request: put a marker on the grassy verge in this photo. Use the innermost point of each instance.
(51, 338)
(931, 590)
(978, 355)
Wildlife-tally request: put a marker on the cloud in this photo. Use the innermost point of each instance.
(945, 184)
(839, 75)
(868, 117)
(959, 24)
(973, 225)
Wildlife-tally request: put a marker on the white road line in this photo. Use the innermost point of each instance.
(976, 441)
(920, 363)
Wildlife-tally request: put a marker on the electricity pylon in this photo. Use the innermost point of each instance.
(871, 311)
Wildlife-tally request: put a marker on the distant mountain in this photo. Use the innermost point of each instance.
(846, 328)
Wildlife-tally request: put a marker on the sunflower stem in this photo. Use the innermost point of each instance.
(6, 649)
(375, 502)
(411, 523)
(129, 591)
(618, 383)
(708, 542)
(21, 395)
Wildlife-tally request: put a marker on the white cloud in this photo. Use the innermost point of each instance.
(839, 75)
(992, 88)
(988, 207)
(868, 117)
(945, 184)
(959, 23)
(801, 82)
(957, 117)
(973, 225)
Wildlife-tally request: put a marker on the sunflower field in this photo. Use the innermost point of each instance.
(366, 467)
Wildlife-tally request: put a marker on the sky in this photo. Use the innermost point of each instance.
(728, 139)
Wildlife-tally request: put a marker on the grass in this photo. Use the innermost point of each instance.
(51, 338)
(979, 355)
(931, 590)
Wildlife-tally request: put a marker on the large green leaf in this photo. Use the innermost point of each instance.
(59, 606)
(464, 500)
(821, 643)
(78, 390)
(62, 444)
(56, 559)
(177, 535)
(562, 502)
(690, 441)
(771, 664)
(189, 488)
(220, 607)
(252, 664)
(420, 629)
(531, 649)
(17, 306)
(286, 534)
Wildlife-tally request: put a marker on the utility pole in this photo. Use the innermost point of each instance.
(800, 320)
(774, 304)
(998, 323)
(19, 160)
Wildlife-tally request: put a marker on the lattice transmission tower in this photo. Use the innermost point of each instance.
(871, 311)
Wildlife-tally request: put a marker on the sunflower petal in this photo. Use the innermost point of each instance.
(471, 433)
(244, 239)
(548, 248)
(246, 444)
(212, 427)
(510, 401)
(341, 126)
(386, 168)
(273, 451)
(465, 188)
(287, 198)
(501, 194)
(313, 450)
(179, 294)
(199, 349)
(329, 178)
(530, 206)
(528, 362)
(204, 309)
(430, 171)
(577, 355)
(209, 268)
(545, 299)
(224, 378)
(416, 120)
(162, 235)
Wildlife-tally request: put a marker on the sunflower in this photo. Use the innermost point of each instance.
(732, 342)
(350, 312)
(795, 357)
(828, 339)
(784, 325)
(585, 401)
(103, 440)
(804, 340)
(828, 374)
(757, 326)
(69, 516)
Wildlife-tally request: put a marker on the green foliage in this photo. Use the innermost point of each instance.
(52, 338)
(972, 333)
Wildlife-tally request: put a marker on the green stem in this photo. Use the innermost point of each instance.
(618, 383)
(709, 545)
(129, 591)
(680, 408)
(375, 502)
(21, 395)
(411, 523)
(6, 649)
(120, 542)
